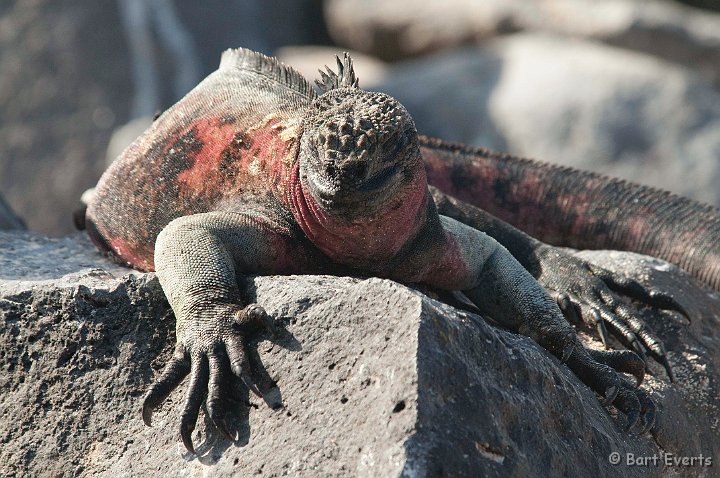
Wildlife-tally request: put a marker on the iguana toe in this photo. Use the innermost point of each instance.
(194, 398)
(177, 368)
(600, 326)
(621, 360)
(633, 289)
(597, 369)
(648, 413)
(217, 385)
(254, 317)
(239, 362)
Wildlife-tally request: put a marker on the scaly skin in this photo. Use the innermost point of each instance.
(567, 207)
(252, 172)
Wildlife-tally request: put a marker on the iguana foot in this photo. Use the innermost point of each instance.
(211, 357)
(599, 370)
(590, 293)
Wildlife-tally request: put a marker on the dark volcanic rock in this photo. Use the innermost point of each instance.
(367, 378)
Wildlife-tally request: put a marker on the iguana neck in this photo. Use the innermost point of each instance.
(365, 242)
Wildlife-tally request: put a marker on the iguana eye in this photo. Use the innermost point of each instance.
(397, 144)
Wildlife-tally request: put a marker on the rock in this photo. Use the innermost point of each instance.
(8, 218)
(574, 103)
(63, 83)
(393, 30)
(70, 75)
(367, 378)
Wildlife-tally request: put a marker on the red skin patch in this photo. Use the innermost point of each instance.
(205, 166)
(230, 163)
(141, 260)
(450, 272)
(365, 244)
(215, 138)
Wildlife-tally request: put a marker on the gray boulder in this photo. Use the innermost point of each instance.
(367, 378)
(572, 102)
(403, 28)
(73, 71)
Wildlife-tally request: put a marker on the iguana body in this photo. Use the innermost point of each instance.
(253, 173)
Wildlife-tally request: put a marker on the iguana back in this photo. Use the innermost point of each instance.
(232, 140)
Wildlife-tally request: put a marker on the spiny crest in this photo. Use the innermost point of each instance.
(344, 78)
(269, 67)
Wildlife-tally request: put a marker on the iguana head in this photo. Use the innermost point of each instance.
(359, 149)
(360, 167)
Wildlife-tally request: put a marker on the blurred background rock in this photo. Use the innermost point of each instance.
(625, 87)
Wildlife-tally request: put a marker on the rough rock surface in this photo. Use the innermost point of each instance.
(403, 28)
(575, 103)
(367, 378)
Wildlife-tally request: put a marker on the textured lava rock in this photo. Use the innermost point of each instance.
(367, 378)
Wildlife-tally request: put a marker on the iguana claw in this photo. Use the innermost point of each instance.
(594, 291)
(211, 363)
(610, 395)
(666, 365)
(623, 361)
(632, 419)
(600, 326)
(221, 425)
(566, 306)
(186, 435)
(248, 381)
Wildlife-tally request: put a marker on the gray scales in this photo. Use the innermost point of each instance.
(254, 173)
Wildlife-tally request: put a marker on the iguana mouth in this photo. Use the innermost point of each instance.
(336, 190)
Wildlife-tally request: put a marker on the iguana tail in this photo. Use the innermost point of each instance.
(567, 207)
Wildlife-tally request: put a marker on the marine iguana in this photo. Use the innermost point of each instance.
(253, 172)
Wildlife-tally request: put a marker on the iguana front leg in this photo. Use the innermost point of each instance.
(196, 259)
(505, 291)
(580, 288)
